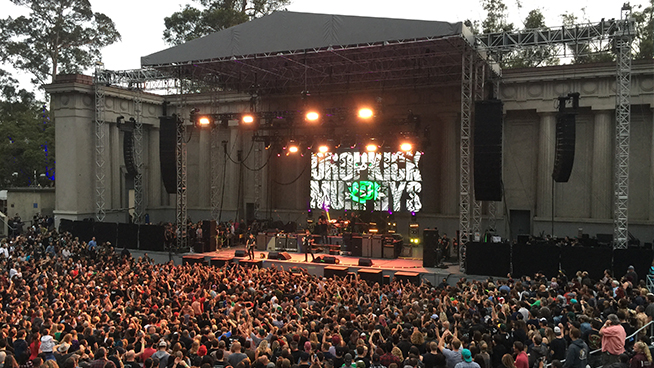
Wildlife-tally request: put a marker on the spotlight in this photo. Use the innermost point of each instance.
(323, 149)
(247, 119)
(371, 147)
(292, 147)
(365, 113)
(312, 116)
(406, 146)
(204, 121)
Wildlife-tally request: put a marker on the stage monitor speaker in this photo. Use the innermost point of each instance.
(273, 255)
(564, 155)
(430, 245)
(357, 246)
(284, 256)
(167, 155)
(128, 153)
(365, 262)
(239, 253)
(488, 150)
(325, 259)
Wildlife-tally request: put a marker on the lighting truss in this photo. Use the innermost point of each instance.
(100, 186)
(623, 37)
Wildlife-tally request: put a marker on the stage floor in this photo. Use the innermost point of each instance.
(387, 266)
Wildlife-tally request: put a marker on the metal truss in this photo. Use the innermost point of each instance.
(570, 37)
(622, 38)
(424, 62)
(257, 177)
(215, 179)
(215, 145)
(146, 79)
(182, 173)
(479, 76)
(100, 186)
(464, 159)
(139, 203)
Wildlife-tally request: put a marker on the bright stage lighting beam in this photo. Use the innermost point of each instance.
(365, 113)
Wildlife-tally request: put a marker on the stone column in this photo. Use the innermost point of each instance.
(546, 148)
(602, 169)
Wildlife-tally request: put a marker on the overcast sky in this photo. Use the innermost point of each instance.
(140, 22)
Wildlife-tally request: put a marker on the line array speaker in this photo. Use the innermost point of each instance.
(128, 153)
(167, 159)
(488, 150)
(564, 155)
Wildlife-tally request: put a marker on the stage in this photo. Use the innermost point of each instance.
(410, 269)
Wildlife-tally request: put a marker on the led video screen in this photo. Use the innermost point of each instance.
(378, 181)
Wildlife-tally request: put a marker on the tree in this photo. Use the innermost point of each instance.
(644, 42)
(57, 36)
(213, 16)
(587, 52)
(496, 17)
(26, 137)
(535, 55)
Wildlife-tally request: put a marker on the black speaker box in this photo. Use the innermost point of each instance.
(167, 156)
(564, 155)
(128, 153)
(284, 256)
(430, 244)
(366, 262)
(487, 152)
(209, 235)
(273, 255)
(239, 253)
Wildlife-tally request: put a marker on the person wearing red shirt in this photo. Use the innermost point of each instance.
(521, 359)
(613, 338)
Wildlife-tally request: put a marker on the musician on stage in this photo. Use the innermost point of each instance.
(250, 244)
(307, 244)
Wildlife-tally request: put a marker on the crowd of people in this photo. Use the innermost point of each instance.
(82, 304)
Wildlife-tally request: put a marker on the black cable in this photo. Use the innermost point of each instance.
(294, 180)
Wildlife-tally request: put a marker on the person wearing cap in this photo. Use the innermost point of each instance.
(558, 345)
(466, 360)
(613, 339)
(162, 354)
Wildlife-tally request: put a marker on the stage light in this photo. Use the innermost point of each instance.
(312, 116)
(293, 149)
(365, 113)
(371, 147)
(406, 146)
(204, 121)
(323, 149)
(247, 119)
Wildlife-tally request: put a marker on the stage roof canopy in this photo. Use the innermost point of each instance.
(287, 51)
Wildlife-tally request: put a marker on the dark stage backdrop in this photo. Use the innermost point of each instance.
(128, 235)
(640, 258)
(493, 259)
(529, 259)
(594, 260)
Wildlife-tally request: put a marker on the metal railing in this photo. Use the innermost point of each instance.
(597, 351)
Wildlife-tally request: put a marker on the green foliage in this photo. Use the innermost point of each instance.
(496, 17)
(58, 36)
(215, 15)
(536, 55)
(26, 137)
(644, 42)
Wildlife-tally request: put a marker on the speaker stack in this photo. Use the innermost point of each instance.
(488, 150)
(167, 159)
(564, 155)
(430, 247)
